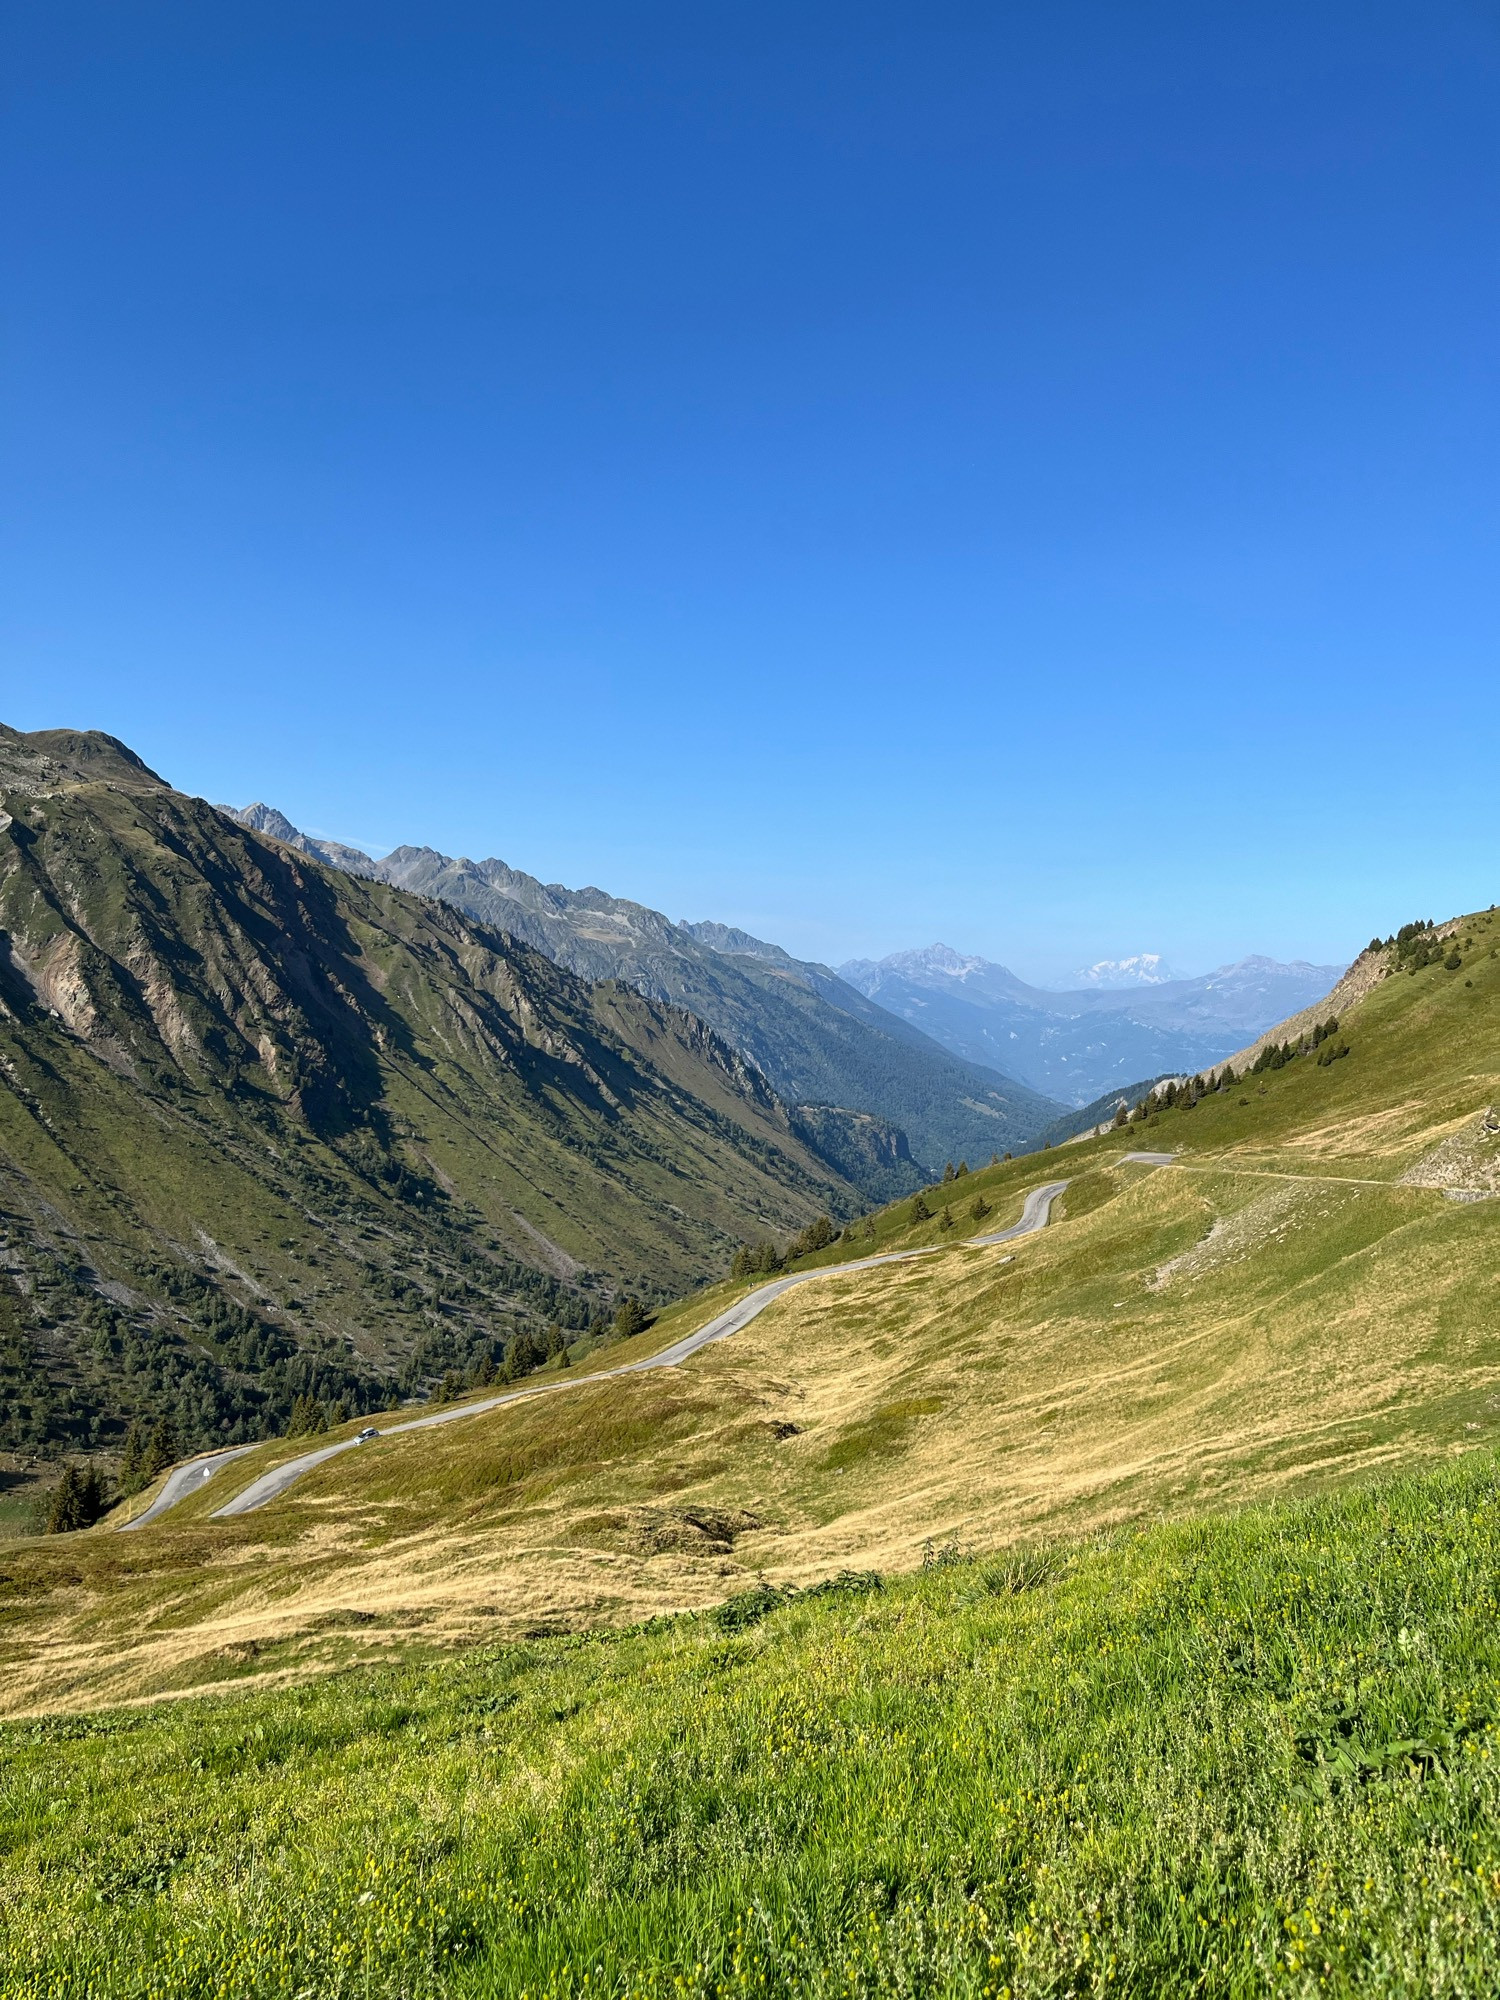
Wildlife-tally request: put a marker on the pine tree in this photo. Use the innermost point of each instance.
(945, 1220)
(132, 1457)
(65, 1509)
(963, 1168)
(920, 1212)
(161, 1450)
(95, 1498)
(979, 1208)
(949, 1174)
(630, 1319)
(523, 1354)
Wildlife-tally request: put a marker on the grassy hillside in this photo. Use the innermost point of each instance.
(1243, 1756)
(1293, 1304)
(267, 1131)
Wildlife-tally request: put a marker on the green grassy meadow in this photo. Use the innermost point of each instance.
(1235, 1756)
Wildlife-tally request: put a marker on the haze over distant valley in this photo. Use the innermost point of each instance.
(1078, 1044)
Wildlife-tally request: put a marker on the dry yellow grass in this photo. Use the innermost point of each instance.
(1278, 1313)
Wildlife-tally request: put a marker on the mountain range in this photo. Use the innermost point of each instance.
(1076, 1045)
(269, 1129)
(817, 1040)
(955, 1053)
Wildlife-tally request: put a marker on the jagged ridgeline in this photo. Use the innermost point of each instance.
(269, 1132)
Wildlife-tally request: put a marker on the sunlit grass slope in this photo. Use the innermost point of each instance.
(1249, 1755)
(1295, 1302)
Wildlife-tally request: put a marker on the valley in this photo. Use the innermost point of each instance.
(1262, 1293)
(523, 1536)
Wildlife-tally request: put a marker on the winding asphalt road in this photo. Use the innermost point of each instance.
(184, 1480)
(1035, 1212)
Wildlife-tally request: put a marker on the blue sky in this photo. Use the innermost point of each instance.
(1024, 476)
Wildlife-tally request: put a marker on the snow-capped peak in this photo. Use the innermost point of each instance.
(1146, 968)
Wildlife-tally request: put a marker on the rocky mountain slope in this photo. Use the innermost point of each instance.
(270, 1130)
(1081, 1043)
(818, 1040)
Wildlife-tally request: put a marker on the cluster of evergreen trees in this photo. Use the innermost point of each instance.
(77, 1501)
(146, 1453)
(1278, 1055)
(527, 1351)
(764, 1259)
(979, 1208)
(1417, 945)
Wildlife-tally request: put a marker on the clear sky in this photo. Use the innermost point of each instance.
(1024, 475)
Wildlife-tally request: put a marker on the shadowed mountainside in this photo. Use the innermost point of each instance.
(819, 1041)
(269, 1130)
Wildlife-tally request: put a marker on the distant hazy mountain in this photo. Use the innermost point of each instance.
(1146, 968)
(819, 1042)
(1080, 1044)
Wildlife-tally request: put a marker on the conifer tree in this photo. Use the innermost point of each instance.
(161, 1450)
(65, 1509)
(78, 1501)
(630, 1319)
(920, 1212)
(132, 1457)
